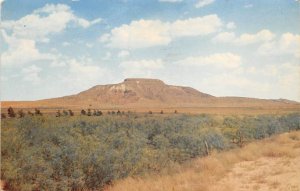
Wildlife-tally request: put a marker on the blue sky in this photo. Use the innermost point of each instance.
(221, 47)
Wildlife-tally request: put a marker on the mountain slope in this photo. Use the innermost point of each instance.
(148, 93)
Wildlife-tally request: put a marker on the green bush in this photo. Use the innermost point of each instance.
(88, 152)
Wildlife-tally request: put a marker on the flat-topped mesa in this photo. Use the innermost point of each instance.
(143, 80)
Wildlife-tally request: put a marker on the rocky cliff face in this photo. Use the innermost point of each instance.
(139, 90)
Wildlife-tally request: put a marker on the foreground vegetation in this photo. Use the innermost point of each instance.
(90, 152)
(271, 164)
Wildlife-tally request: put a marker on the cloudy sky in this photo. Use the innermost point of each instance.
(222, 47)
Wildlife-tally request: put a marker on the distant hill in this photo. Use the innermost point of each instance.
(135, 93)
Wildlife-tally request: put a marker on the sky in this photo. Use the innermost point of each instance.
(247, 48)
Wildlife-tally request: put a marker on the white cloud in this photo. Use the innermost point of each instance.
(84, 73)
(288, 43)
(246, 38)
(85, 23)
(195, 26)
(139, 34)
(105, 37)
(123, 54)
(170, 1)
(58, 61)
(31, 74)
(289, 80)
(231, 25)
(141, 68)
(283, 80)
(148, 33)
(248, 6)
(221, 60)
(1, 2)
(21, 35)
(225, 37)
(203, 3)
(45, 21)
(22, 51)
(261, 36)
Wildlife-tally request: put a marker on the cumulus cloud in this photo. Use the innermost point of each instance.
(31, 74)
(225, 37)
(21, 35)
(138, 34)
(231, 25)
(195, 26)
(148, 33)
(21, 51)
(288, 43)
(42, 22)
(203, 3)
(83, 72)
(219, 60)
(141, 68)
(246, 38)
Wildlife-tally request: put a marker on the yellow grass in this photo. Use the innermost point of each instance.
(271, 164)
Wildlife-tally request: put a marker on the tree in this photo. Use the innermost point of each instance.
(83, 112)
(118, 112)
(37, 112)
(58, 114)
(95, 113)
(3, 116)
(161, 112)
(175, 112)
(150, 112)
(11, 113)
(71, 113)
(21, 113)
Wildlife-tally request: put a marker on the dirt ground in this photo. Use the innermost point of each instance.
(264, 174)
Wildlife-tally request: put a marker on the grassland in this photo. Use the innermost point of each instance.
(93, 152)
(270, 164)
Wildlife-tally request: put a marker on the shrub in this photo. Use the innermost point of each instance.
(89, 112)
(86, 153)
(83, 112)
(3, 116)
(58, 114)
(11, 113)
(21, 113)
(37, 112)
(65, 113)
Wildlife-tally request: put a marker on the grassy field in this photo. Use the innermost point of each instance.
(91, 152)
(170, 110)
(271, 164)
